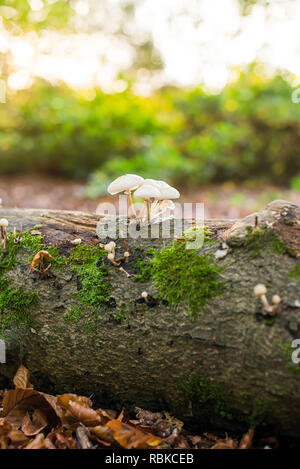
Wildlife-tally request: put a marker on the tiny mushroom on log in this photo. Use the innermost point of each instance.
(145, 296)
(147, 192)
(126, 183)
(261, 291)
(3, 226)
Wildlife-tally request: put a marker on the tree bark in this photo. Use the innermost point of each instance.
(154, 355)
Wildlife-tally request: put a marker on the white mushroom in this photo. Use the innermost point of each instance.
(166, 193)
(147, 191)
(110, 247)
(111, 257)
(126, 183)
(145, 296)
(76, 241)
(261, 290)
(3, 226)
(126, 256)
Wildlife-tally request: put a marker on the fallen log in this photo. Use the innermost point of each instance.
(175, 329)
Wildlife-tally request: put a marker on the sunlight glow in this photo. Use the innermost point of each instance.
(200, 44)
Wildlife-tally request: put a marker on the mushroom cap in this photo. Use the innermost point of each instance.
(147, 191)
(124, 183)
(276, 299)
(126, 254)
(3, 222)
(260, 289)
(110, 256)
(144, 294)
(110, 246)
(168, 193)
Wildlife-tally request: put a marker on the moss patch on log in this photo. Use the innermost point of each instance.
(87, 263)
(183, 275)
(256, 241)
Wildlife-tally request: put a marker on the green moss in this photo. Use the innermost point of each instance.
(184, 276)
(287, 351)
(144, 265)
(87, 263)
(15, 305)
(270, 322)
(257, 241)
(74, 314)
(295, 271)
(34, 244)
(119, 315)
(206, 397)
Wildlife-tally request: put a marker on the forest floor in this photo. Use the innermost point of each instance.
(226, 200)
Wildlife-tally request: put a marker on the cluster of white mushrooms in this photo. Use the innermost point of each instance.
(157, 195)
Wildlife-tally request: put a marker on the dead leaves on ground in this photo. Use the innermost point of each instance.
(34, 420)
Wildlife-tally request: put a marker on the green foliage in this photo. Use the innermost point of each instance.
(248, 131)
(183, 275)
(18, 14)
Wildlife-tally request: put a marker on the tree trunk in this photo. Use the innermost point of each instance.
(230, 364)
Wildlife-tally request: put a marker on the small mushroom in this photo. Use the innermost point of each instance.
(126, 256)
(126, 184)
(76, 241)
(110, 247)
(167, 193)
(111, 257)
(147, 192)
(145, 296)
(3, 226)
(261, 291)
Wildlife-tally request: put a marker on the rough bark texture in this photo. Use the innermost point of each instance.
(147, 354)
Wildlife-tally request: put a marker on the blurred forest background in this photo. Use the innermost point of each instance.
(201, 94)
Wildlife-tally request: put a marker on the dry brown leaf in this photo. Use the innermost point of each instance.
(17, 437)
(103, 432)
(17, 402)
(227, 443)
(131, 438)
(246, 441)
(33, 425)
(83, 414)
(22, 378)
(64, 399)
(37, 443)
(61, 439)
(5, 427)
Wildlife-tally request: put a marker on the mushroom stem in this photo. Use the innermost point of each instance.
(131, 209)
(126, 273)
(148, 211)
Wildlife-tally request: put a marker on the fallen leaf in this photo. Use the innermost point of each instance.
(131, 438)
(84, 414)
(35, 424)
(37, 443)
(22, 378)
(246, 441)
(64, 399)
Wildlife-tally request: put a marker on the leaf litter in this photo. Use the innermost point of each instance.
(30, 419)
